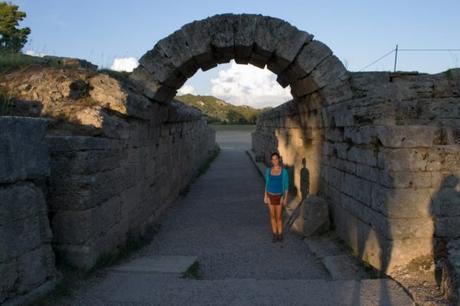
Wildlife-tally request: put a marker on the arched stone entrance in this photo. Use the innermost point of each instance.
(318, 79)
(307, 65)
(363, 133)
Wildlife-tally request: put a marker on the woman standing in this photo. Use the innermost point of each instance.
(276, 194)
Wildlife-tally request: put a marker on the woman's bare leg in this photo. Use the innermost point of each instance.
(278, 216)
(271, 209)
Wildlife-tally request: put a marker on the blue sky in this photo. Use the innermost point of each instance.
(358, 32)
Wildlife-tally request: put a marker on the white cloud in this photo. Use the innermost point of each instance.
(187, 89)
(124, 64)
(250, 85)
(33, 53)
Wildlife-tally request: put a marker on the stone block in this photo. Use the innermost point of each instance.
(222, 39)
(175, 46)
(9, 274)
(26, 230)
(338, 91)
(360, 134)
(23, 153)
(266, 37)
(35, 268)
(389, 228)
(315, 215)
(343, 116)
(289, 45)
(303, 87)
(363, 155)
(407, 136)
(358, 188)
(77, 227)
(437, 158)
(371, 246)
(20, 201)
(308, 58)
(86, 162)
(161, 68)
(328, 72)
(405, 179)
(145, 82)
(245, 28)
(60, 144)
(198, 37)
(402, 202)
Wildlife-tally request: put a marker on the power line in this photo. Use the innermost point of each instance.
(379, 59)
(429, 50)
(396, 50)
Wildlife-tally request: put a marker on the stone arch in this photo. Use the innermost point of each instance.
(319, 82)
(306, 64)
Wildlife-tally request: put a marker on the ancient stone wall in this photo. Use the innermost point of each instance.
(117, 159)
(102, 189)
(386, 160)
(26, 258)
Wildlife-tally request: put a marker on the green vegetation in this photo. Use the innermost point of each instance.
(202, 170)
(133, 243)
(12, 38)
(204, 167)
(13, 61)
(448, 74)
(5, 103)
(119, 75)
(219, 111)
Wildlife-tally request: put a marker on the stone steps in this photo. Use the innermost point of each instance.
(160, 288)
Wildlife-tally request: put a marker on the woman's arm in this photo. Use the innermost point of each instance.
(285, 186)
(266, 199)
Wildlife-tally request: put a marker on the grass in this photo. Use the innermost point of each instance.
(133, 243)
(72, 276)
(448, 74)
(204, 167)
(193, 272)
(13, 61)
(5, 103)
(119, 75)
(201, 170)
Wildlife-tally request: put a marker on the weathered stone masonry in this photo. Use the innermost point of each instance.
(388, 163)
(381, 148)
(110, 163)
(378, 146)
(26, 256)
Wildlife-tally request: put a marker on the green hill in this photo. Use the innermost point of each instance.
(219, 111)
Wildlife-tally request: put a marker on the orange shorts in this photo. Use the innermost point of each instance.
(275, 199)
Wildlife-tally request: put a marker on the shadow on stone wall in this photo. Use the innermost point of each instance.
(445, 211)
(109, 148)
(304, 179)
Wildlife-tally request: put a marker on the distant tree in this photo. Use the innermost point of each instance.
(234, 117)
(12, 38)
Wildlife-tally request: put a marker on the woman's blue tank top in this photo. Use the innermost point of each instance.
(275, 184)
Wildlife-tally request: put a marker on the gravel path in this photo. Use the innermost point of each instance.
(225, 224)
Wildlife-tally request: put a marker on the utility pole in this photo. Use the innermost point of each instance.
(396, 58)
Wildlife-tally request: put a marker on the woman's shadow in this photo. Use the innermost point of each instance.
(304, 180)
